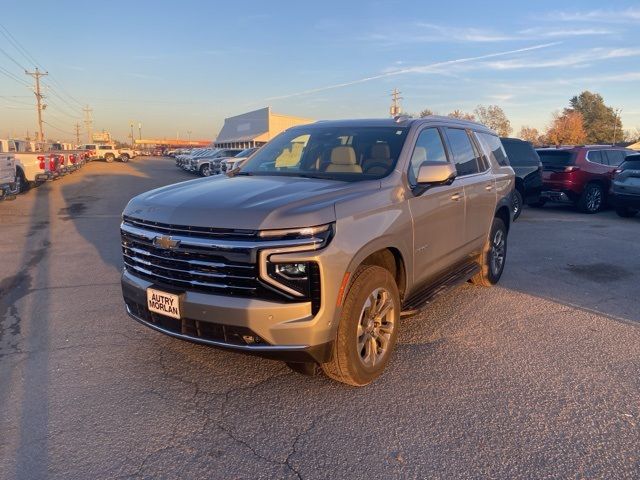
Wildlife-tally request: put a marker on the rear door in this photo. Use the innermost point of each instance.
(474, 175)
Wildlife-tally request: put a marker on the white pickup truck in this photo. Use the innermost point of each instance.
(108, 153)
(33, 167)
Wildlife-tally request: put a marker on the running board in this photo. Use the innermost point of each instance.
(413, 304)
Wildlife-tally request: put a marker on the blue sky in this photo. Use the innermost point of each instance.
(185, 66)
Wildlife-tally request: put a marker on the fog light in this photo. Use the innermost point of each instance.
(294, 271)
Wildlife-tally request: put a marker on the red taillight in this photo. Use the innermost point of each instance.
(61, 158)
(52, 162)
(41, 160)
(571, 169)
(72, 158)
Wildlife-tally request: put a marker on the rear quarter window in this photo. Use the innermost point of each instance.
(495, 148)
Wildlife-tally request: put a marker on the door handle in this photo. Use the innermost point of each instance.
(489, 187)
(456, 197)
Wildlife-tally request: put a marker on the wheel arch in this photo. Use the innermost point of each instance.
(387, 257)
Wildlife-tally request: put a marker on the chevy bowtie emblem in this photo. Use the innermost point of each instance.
(166, 243)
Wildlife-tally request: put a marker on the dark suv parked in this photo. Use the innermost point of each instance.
(526, 164)
(625, 188)
(580, 175)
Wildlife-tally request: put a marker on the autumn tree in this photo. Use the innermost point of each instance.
(494, 118)
(462, 115)
(600, 120)
(426, 112)
(529, 134)
(566, 129)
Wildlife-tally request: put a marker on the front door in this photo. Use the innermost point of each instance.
(438, 213)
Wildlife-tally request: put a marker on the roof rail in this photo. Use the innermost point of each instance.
(402, 118)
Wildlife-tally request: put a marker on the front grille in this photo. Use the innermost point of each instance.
(209, 260)
(197, 329)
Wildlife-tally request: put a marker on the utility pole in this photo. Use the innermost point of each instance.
(133, 139)
(37, 74)
(88, 122)
(140, 130)
(77, 125)
(616, 115)
(395, 109)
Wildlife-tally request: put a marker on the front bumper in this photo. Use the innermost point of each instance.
(282, 331)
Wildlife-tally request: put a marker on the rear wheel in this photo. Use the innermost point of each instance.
(124, 158)
(516, 203)
(109, 157)
(626, 212)
(21, 182)
(592, 199)
(368, 327)
(493, 256)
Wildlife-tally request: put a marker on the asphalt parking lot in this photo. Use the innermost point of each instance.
(536, 378)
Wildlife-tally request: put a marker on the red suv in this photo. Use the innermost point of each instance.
(579, 175)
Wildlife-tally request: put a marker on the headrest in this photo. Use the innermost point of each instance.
(343, 155)
(380, 151)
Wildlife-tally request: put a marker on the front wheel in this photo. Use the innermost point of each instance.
(124, 158)
(493, 256)
(626, 212)
(109, 157)
(205, 170)
(368, 328)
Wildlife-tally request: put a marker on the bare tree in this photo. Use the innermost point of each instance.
(494, 118)
(426, 112)
(462, 115)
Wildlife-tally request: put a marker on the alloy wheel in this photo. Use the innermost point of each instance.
(497, 252)
(594, 199)
(375, 328)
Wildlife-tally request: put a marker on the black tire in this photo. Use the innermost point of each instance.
(124, 158)
(109, 157)
(491, 267)
(364, 345)
(592, 199)
(205, 170)
(538, 204)
(626, 212)
(21, 182)
(517, 202)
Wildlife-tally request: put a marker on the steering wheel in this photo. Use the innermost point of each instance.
(383, 166)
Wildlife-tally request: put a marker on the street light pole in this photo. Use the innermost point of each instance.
(140, 130)
(133, 141)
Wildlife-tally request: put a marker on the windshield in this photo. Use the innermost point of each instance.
(331, 152)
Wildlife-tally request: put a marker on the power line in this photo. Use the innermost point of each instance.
(13, 77)
(59, 129)
(16, 44)
(20, 66)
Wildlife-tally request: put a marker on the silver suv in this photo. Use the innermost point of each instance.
(313, 250)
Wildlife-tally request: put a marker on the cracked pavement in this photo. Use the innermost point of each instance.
(536, 378)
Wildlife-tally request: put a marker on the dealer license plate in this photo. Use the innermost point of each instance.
(163, 303)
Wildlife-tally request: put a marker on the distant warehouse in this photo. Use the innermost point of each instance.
(253, 129)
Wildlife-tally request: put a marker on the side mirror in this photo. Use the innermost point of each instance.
(436, 173)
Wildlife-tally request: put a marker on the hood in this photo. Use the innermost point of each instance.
(254, 203)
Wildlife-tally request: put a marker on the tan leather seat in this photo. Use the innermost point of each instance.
(343, 160)
(380, 161)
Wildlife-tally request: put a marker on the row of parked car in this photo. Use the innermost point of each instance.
(212, 161)
(24, 165)
(587, 176)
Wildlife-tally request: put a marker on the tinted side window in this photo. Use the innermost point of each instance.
(463, 152)
(615, 157)
(595, 156)
(500, 152)
(428, 147)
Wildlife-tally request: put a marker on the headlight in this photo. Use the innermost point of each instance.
(293, 278)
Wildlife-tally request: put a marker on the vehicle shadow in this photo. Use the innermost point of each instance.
(24, 344)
